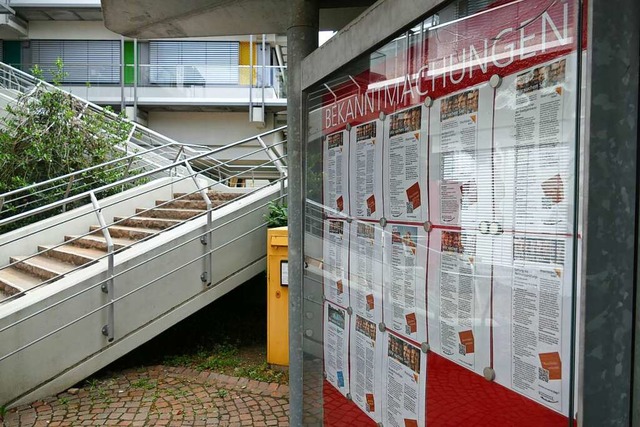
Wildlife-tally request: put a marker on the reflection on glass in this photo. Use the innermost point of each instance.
(440, 222)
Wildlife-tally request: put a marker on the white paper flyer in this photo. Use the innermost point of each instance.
(366, 172)
(336, 261)
(405, 165)
(366, 355)
(336, 347)
(405, 276)
(405, 383)
(365, 278)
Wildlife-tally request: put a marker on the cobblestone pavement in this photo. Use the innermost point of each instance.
(160, 396)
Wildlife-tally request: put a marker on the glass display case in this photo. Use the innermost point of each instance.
(442, 224)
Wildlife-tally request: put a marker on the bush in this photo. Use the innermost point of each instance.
(277, 216)
(49, 133)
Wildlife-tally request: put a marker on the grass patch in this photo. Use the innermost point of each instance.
(262, 372)
(144, 383)
(229, 359)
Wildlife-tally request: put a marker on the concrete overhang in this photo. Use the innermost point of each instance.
(200, 18)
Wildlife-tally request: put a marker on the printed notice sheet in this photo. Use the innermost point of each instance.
(532, 309)
(405, 258)
(366, 170)
(459, 296)
(336, 347)
(366, 366)
(535, 113)
(336, 172)
(460, 159)
(405, 377)
(336, 261)
(405, 160)
(365, 279)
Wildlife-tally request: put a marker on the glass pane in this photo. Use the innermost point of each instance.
(442, 230)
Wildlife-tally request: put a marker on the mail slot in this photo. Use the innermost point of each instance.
(278, 296)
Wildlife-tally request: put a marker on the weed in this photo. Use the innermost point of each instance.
(64, 401)
(222, 393)
(92, 383)
(3, 411)
(224, 356)
(144, 383)
(261, 372)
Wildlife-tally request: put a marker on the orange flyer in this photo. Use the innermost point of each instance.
(369, 299)
(413, 194)
(411, 322)
(371, 405)
(371, 203)
(466, 339)
(552, 363)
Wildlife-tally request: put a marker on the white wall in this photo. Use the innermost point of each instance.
(95, 30)
(213, 129)
(70, 30)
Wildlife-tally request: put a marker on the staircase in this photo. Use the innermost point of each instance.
(52, 262)
(113, 265)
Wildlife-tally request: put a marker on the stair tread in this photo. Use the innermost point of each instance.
(46, 263)
(213, 195)
(71, 249)
(143, 219)
(163, 209)
(129, 228)
(18, 279)
(117, 241)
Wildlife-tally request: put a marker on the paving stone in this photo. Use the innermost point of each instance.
(162, 396)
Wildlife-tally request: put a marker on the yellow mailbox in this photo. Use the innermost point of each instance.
(277, 296)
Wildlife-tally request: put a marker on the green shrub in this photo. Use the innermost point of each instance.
(277, 216)
(48, 133)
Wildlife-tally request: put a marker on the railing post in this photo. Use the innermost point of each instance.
(206, 239)
(68, 190)
(107, 287)
(272, 156)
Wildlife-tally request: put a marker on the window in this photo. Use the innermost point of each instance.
(85, 61)
(194, 63)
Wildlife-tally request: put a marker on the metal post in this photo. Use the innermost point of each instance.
(122, 100)
(302, 39)
(135, 80)
(206, 239)
(610, 255)
(264, 76)
(107, 287)
(272, 155)
(251, 78)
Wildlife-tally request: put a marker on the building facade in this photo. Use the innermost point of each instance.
(208, 91)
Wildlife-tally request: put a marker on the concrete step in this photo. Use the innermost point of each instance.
(142, 222)
(42, 266)
(213, 195)
(13, 281)
(182, 204)
(95, 241)
(189, 204)
(165, 213)
(75, 255)
(130, 233)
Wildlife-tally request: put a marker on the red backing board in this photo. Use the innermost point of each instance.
(455, 397)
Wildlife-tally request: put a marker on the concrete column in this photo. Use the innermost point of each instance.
(302, 39)
(611, 241)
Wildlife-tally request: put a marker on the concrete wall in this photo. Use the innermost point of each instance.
(165, 274)
(70, 30)
(213, 129)
(95, 30)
